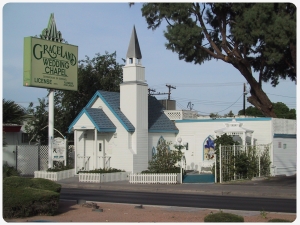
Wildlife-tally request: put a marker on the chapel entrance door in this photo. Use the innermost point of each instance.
(100, 154)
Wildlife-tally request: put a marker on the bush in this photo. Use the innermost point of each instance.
(9, 171)
(59, 166)
(223, 217)
(165, 160)
(104, 170)
(24, 197)
(171, 170)
(279, 220)
(36, 183)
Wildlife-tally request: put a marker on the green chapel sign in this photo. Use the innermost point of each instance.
(49, 63)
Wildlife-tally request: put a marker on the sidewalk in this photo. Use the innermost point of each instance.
(274, 187)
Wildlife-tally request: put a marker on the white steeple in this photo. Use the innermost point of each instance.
(134, 102)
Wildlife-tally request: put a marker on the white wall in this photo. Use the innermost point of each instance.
(285, 156)
(115, 145)
(195, 133)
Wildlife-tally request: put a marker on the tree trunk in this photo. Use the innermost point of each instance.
(258, 97)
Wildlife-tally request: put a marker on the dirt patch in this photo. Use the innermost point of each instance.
(70, 211)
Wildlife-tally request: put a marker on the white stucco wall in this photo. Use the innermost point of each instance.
(285, 156)
(115, 145)
(195, 132)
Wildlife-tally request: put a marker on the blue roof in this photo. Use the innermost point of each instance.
(158, 122)
(98, 118)
(112, 101)
(101, 120)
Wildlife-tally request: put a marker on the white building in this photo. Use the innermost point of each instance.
(122, 130)
(118, 129)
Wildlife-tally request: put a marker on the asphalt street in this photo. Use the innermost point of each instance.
(271, 187)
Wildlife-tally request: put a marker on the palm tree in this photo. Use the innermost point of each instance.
(12, 112)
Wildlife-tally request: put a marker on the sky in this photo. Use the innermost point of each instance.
(97, 27)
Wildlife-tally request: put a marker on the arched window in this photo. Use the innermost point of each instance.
(208, 148)
(160, 140)
(153, 151)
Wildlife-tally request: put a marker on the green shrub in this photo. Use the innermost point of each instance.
(223, 217)
(104, 170)
(9, 171)
(24, 197)
(37, 183)
(171, 170)
(59, 166)
(279, 220)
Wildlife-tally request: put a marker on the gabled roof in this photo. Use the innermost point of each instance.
(158, 122)
(134, 50)
(157, 119)
(112, 101)
(99, 119)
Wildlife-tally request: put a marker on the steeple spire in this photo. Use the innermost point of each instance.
(134, 50)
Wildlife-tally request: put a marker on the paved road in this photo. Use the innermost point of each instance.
(274, 187)
(182, 200)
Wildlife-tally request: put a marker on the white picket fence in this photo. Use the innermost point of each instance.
(154, 178)
(55, 176)
(103, 177)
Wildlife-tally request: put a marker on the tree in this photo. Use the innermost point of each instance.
(12, 112)
(102, 72)
(165, 160)
(230, 114)
(214, 115)
(252, 37)
(281, 110)
(36, 127)
(99, 73)
(251, 111)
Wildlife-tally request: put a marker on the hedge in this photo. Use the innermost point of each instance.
(223, 217)
(24, 197)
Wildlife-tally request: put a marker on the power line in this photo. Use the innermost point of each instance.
(201, 84)
(230, 105)
(178, 102)
(281, 95)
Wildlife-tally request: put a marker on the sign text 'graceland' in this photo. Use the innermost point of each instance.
(50, 64)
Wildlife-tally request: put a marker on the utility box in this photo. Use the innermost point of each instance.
(168, 104)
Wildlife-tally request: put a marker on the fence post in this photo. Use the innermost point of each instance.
(39, 156)
(259, 154)
(215, 168)
(16, 157)
(181, 171)
(234, 161)
(220, 153)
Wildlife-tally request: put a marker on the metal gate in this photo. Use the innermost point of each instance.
(30, 158)
(242, 162)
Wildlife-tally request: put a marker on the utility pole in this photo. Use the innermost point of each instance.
(158, 93)
(150, 90)
(169, 93)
